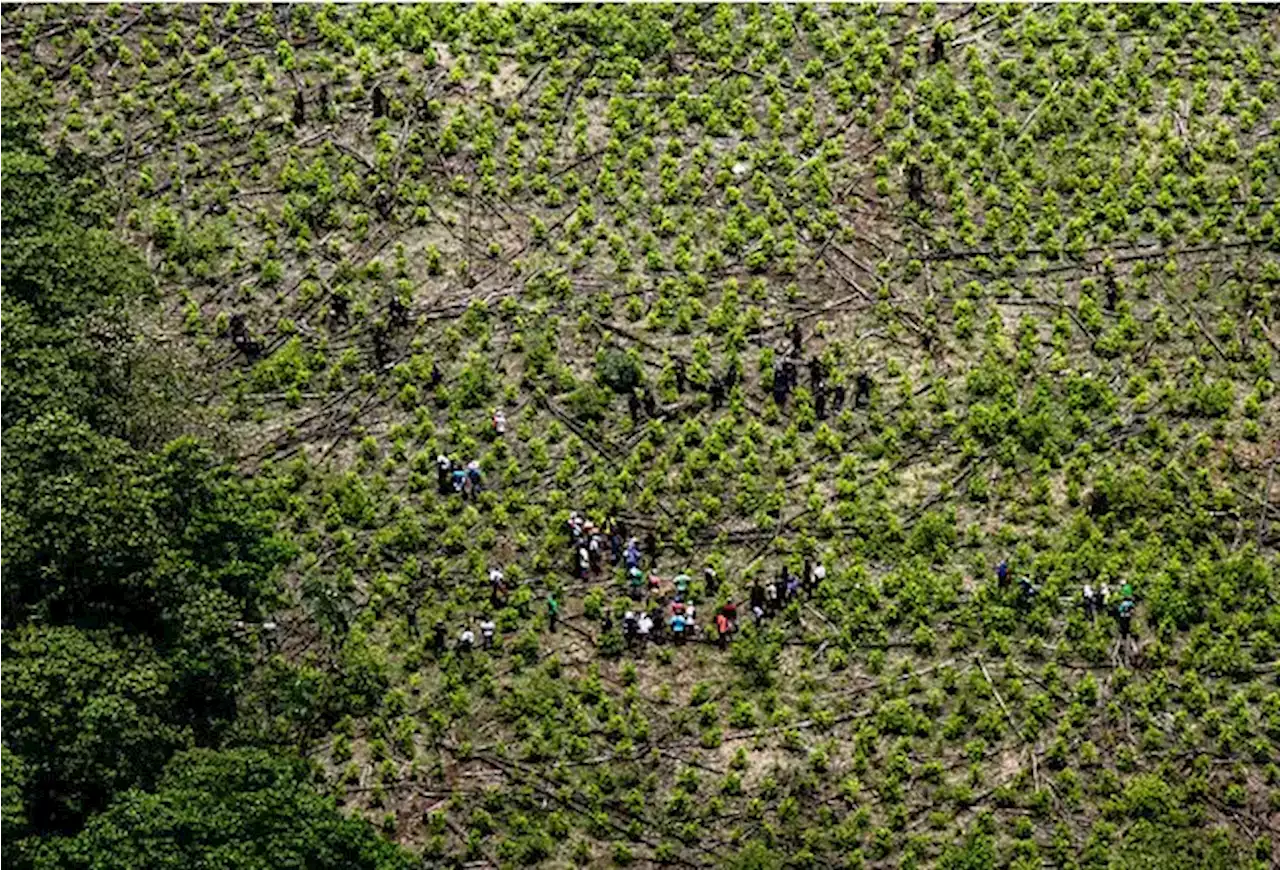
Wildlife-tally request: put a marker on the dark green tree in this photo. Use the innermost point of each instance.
(242, 809)
(89, 713)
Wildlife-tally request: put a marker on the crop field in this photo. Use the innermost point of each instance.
(898, 294)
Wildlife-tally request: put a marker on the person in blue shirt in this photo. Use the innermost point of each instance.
(677, 627)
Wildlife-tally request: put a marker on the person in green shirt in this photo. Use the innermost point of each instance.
(682, 586)
(553, 610)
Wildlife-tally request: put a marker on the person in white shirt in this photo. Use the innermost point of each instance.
(487, 628)
(467, 639)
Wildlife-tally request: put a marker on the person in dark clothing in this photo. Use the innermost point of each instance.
(837, 397)
(863, 389)
(1124, 613)
(779, 385)
(1027, 588)
(717, 392)
(915, 183)
(711, 579)
(633, 406)
(757, 595)
(807, 574)
(651, 547)
(816, 373)
(1002, 573)
(820, 403)
(436, 375)
(650, 405)
(796, 339)
(790, 373)
(593, 552)
(655, 618)
(680, 376)
(444, 474)
(437, 641)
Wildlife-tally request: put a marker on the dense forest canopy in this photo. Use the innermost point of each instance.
(754, 436)
(125, 568)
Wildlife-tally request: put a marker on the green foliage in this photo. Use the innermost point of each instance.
(1032, 250)
(618, 370)
(236, 809)
(89, 713)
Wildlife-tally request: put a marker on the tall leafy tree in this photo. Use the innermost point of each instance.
(232, 810)
(128, 559)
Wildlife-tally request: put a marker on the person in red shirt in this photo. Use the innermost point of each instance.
(722, 626)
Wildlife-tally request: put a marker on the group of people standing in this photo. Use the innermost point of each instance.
(457, 479)
(1094, 601)
(770, 598)
(1104, 597)
(826, 396)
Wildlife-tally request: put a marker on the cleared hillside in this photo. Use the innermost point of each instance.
(1046, 237)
